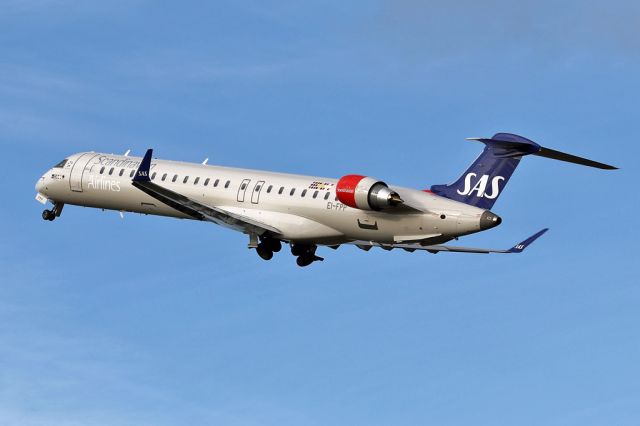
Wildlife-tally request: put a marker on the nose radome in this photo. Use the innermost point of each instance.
(489, 220)
(40, 184)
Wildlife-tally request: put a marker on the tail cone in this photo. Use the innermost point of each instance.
(489, 220)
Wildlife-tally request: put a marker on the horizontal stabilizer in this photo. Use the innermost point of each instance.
(563, 156)
(510, 145)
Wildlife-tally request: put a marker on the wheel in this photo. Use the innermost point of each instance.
(275, 246)
(303, 261)
(264, 252)
(300, 249)
(48, 215)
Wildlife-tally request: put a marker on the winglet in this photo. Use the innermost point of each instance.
(142, 174)
(519, 248)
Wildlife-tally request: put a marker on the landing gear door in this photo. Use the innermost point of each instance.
(243, 190)
(255, 194)
(77, 171)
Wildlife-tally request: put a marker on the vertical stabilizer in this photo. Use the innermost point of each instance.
(483, 182)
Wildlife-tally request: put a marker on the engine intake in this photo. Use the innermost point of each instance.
(366, 193)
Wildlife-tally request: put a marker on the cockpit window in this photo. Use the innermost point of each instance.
(60, 164)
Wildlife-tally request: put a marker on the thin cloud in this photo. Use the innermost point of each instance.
(165, 67)
(455, 28)
(65, 9)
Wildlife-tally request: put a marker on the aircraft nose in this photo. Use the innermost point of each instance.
(40, 184)
(489, 220)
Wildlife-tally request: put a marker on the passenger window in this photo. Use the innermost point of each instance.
(186, 178)
(206, 181)
(326, 196)
(111, 171)
(164, 176)
(153, 176)
(102, 170)
(280, 190)
(243, 186)
(216, 183)
(175, 177)
(121, 172)
(304, 192)
(132, 172)
(292, 191)
(195, 182)
(269, 188)
(226, 185)
(258, 188)
(315, 194)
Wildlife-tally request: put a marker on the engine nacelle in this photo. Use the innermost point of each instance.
(366, 193)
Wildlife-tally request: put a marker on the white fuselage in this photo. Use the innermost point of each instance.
(304, 208)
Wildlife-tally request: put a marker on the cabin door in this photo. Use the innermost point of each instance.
(243, 190)
(255, 194)
(78, 170)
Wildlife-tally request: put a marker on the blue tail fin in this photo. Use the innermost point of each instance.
(485, 179)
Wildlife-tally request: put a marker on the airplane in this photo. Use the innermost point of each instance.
(302, 211)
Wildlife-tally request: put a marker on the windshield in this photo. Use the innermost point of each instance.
(60, 164)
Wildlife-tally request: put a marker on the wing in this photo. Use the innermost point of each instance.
(518, 248)
(193, 208)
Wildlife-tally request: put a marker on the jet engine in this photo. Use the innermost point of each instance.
(366, 193)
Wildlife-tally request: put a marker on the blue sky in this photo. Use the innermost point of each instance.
(153, 321)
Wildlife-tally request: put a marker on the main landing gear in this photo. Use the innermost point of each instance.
(306, 254)
(267, 247)
(53, 213)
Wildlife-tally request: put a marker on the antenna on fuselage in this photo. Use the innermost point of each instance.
(206, 160)
(126, 154)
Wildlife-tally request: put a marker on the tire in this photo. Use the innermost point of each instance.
(303, 261)
(299, 249)
(264, 252)
(275, 246)
(48, 215)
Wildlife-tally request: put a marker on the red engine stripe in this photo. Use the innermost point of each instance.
(346, 189)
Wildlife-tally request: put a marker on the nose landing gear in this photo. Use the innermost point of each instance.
(50, 215)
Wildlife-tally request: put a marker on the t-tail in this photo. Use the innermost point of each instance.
(485, 179)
